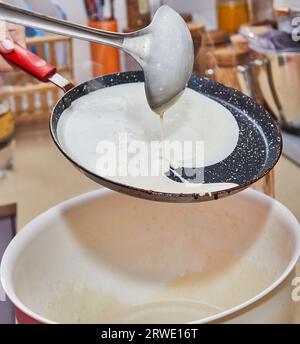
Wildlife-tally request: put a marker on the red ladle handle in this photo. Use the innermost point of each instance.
(30, 63)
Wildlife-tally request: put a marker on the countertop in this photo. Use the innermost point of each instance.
(43, 178)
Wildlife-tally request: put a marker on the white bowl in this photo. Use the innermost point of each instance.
(108, 258)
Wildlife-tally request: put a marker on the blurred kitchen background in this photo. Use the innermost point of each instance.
(245, 44)
(201, 10)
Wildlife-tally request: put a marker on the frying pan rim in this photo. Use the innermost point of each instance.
(157, 195)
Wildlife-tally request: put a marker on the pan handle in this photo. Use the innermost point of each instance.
(30, 63)
(37, 67)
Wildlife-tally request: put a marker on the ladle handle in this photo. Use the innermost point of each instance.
(23, 17)
(30, 63)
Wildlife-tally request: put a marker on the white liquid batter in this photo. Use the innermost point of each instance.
(105, 114)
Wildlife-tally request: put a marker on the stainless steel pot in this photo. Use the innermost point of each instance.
(278, 76)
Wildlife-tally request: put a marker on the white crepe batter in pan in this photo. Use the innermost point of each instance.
(104, 116)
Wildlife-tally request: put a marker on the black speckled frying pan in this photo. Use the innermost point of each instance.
(257, 152)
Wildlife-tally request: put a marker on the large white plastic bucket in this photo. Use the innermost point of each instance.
(105, 257)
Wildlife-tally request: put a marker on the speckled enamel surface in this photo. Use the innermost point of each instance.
(258, 150)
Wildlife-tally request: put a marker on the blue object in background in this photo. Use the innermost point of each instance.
(61, 12)
(62, 52)
(31, 32)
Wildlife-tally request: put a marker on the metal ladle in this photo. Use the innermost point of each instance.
(164, 49)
